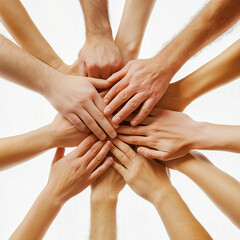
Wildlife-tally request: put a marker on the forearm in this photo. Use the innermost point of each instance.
(14, 150)
(39, 218)
(177, 218)
(21, 68)
(103, 218)
(132, 27)
(96, 9)
(219, 186)
(17, 21)
(215, 18)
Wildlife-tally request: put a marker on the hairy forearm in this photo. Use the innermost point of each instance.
(103, 218)
(219, 186)
(96, 9)
(177, 218)
(132, 27)
(15, 150)
(214, 19)
(39, 218)
(17, 21)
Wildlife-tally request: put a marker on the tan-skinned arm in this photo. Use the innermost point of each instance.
(20, 25)
(59, 133)
(219, 186)
(104, 197)
(132, 27)
(221, 70)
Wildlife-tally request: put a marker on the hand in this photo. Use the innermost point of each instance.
(99, 58)
(71, 174)
(78, 101)
(109, 185)
(64, 133)
(165, 135)
(141, 82)
(147, 178)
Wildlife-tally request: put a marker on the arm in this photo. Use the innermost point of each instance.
(59, 133)
(132, 27)
(219, 186)
(222, 69)
(99, 57)
(69, 176)
(104, 197)
(150, 180)
(19, 24)
(76, 98)
(148, 79)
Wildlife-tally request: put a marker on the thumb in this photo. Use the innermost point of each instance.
(100, 83)
(118, 75)
(58, 155)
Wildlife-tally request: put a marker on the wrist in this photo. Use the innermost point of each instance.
(98, 197)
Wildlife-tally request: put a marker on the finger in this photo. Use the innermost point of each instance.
(99, 83)
(118, 75)
(125, 148)
(121, 156)
(119, 168)
(101, 169)
(131, 105)
(83, 147)
(135, 140)
(118, 87)
(92, 125)
(144, 111)
(129, 130)
(77, 122)
(82, 69)
(58, 155)
(121, 98)
(101, 118)
(94, 162)
(152, 154)
(92, 152)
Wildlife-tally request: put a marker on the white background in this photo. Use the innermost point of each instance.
(61, 22)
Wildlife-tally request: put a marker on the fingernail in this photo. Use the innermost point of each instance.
(116, 125)
(103, 136)
(134, 123)
(113, 134)
(106, 101)
(109, 159)
(116, 120)
(107, 111)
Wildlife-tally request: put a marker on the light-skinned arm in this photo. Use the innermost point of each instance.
(104, 197)
(99, 57)
(145, 81)
(132, 27)
(69, 176)
(20, 25)
(76, 98)
(149, 179)
(60, 133)
(219, 186)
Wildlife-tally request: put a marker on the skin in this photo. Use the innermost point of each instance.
(76, 98)
(145, 81)
(27, 35)
(149, 179)
(99, 57)
(221, 188)
(68, 177)
(104, 197)
(166, 135)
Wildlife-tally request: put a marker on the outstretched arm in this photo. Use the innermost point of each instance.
(19, 24)
(59, 133)
(149, 179)
(69, 176)
(132, 27)
(219, 186)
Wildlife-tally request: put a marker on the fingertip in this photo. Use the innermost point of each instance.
(116, 120)
(102, 136)
(134, 123)
(107, 111)
(106, 101)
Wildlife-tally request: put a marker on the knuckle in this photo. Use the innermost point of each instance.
(146, 110)
(133, 104)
